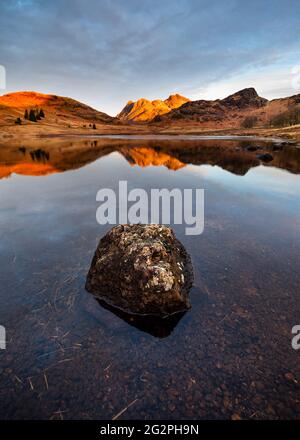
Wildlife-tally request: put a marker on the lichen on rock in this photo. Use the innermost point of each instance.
(142, 269)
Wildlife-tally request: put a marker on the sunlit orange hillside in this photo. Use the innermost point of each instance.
(144, 110)
(58, 110)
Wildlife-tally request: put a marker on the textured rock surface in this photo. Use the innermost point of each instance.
(141, 269)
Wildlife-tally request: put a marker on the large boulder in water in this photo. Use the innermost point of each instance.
(142, 269)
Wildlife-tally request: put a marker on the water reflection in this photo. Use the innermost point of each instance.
(39, 155)
(231, 354)
(154, 325)
(55, 156)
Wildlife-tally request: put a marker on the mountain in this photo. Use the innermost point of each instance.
(246, 98)
(58, 110)
(144, 110)
(244, 109)
(244, 112)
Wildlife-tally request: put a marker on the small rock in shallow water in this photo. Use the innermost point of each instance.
(266, 157)
(253, 148)
(277, 147)
(142, 269)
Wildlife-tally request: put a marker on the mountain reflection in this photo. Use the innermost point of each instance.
(42, 157)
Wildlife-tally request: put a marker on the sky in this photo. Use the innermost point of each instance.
(107, 52)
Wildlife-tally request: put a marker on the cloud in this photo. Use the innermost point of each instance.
(268, 82)
(107, 52)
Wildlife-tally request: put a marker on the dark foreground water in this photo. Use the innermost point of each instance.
(230, 356)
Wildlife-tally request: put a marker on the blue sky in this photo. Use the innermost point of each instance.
(106, 52)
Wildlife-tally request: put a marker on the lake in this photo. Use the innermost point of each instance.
(70, 357)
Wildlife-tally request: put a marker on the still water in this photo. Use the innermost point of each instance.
(230, 356)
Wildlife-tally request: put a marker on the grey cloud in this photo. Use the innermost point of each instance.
(106, 52)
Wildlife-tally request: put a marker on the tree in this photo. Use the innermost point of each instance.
(18, 121)
(26, 114)
(249, 122)
(32, 116)
(286, 119)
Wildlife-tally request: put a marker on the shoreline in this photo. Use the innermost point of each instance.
(289, 134)
(165, 136)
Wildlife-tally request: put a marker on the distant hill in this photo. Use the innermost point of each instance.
(244, 109)
(144, 110)
(58, 110)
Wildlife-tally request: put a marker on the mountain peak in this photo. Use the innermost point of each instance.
(144, 110)
(244, 98)
(176, 100)
(248, 91)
